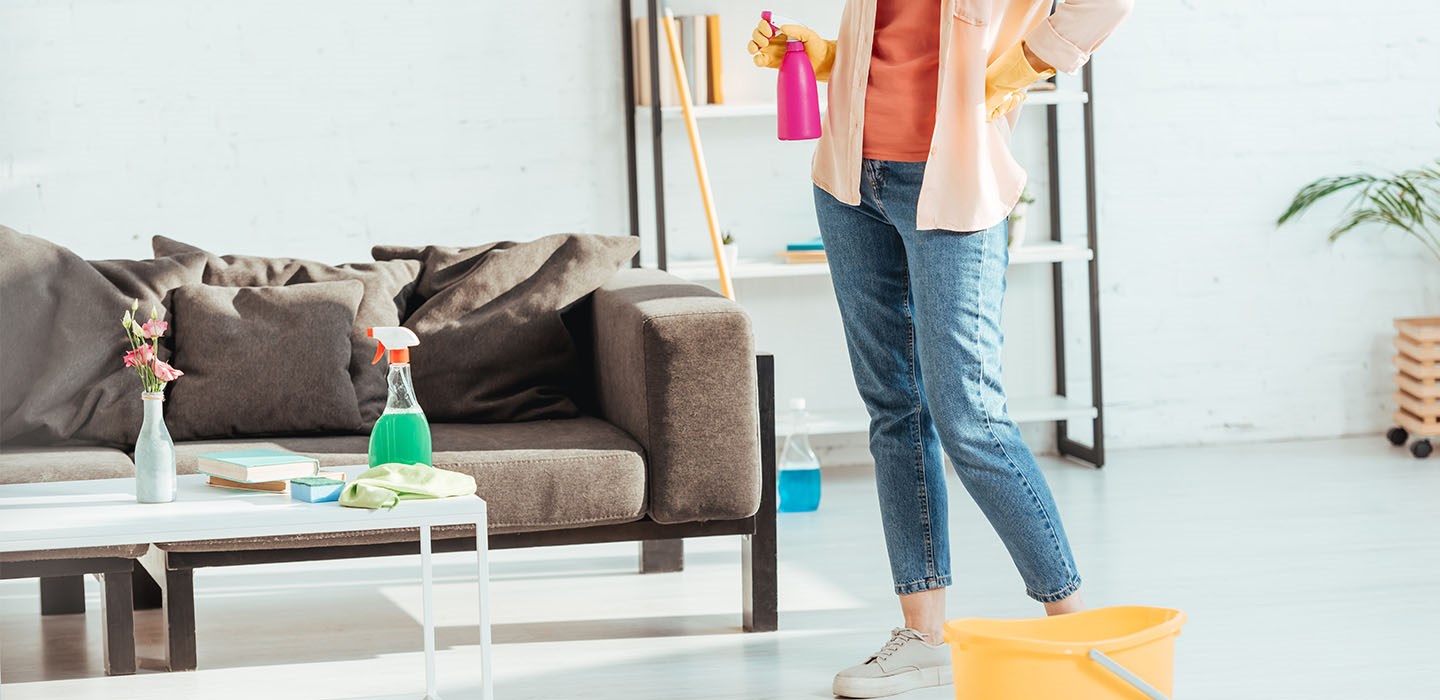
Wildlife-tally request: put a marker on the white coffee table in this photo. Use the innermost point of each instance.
(73, 514)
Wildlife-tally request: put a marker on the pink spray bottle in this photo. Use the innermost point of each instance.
(797, 95)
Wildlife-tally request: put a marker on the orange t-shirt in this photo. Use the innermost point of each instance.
(904, 77)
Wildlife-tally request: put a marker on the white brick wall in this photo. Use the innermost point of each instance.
(1218, 326)
(319, 128)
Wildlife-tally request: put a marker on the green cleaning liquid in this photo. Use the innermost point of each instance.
(402, 438)
(401, 435)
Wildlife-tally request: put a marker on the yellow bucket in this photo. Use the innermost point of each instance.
(1117, 653)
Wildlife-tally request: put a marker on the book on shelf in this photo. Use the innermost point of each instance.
(815, 243)
(802, 256)
(713, 43)
(252, 466)
(700, 44)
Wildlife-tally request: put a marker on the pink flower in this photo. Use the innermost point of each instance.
(140, 356)
(165, 372)
(154, 328)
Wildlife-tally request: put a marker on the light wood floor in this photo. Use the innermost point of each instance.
(1309, 570)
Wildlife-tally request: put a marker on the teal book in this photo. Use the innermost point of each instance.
(813, 244)
(252, 466)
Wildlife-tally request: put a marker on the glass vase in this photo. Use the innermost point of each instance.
(155, 478)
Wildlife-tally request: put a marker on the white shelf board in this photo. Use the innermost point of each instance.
(758, 109)
(704, 270)
(1048, 252)
(1057, 97)
(1036, 409)
(1040, 409)
(764, 109)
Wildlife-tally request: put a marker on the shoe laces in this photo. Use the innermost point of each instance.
(898, 637)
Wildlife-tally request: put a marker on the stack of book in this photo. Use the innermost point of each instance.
(700, 51)
(258, 470)
(811, 251)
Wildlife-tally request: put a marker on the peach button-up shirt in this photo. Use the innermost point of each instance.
(971, 180)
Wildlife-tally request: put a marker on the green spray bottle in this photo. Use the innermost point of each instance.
(402, 435)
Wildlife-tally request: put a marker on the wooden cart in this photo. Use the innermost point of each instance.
(1417, 384)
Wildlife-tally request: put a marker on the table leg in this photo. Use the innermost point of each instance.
(427, 594)
(482, 560)
(117, 608)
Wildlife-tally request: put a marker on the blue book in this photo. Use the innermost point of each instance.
(250, 466)
(813, 244)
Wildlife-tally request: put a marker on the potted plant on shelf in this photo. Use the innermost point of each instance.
(1410, 203)
(731, 248)
(1017, 218)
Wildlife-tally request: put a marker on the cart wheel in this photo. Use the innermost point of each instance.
(1421, 449)
(1397, 436)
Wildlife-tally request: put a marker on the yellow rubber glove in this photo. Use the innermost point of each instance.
(768, 48)
(1006, 80)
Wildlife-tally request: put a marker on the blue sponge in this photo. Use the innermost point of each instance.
(316, 489)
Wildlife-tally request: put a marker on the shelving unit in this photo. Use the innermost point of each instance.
(1060, 408)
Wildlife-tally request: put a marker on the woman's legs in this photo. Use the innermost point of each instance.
(958, 283)
(922, 320)
(925, 612)
(921, 311)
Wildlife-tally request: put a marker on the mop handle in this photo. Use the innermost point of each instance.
(1124, 673)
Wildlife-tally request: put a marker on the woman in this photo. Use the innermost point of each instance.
(914, 182)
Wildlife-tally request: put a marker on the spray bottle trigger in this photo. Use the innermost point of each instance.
(379, 353)
(776, 21)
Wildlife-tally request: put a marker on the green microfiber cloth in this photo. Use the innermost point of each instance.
(388, 484)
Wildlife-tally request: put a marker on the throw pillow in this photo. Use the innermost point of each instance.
(62, 380)
(263, 360)
(387, 291)
(493, 344)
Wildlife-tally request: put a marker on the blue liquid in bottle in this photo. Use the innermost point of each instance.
(798, 481)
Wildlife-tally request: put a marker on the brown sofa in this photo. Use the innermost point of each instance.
(674, 439)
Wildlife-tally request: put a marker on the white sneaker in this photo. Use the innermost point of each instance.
(906, 662)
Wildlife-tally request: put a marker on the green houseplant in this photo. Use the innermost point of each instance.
(1408, 201)
(1017, 218)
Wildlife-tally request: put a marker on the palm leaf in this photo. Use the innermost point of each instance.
(1408, 201)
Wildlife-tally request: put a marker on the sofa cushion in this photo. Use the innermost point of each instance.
(493, 342)
(25, 465)
(536, 475)
(387, 291)
(263, 360)
(62, 379)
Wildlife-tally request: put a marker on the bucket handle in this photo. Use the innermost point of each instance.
(1139, 683)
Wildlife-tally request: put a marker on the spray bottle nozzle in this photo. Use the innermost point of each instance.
(776, 20)
(395, 339)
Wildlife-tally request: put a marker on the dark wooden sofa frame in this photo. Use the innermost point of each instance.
(166, 579)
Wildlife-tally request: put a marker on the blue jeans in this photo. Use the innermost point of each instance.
(921, 311)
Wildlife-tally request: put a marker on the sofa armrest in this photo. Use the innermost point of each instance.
(675, 368)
